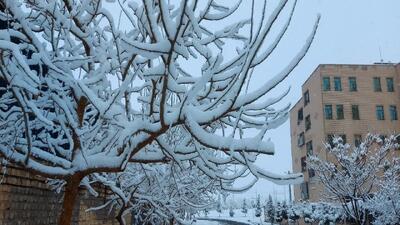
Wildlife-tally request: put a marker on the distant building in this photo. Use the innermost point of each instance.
(344, 100)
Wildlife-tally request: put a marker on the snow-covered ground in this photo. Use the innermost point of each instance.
(248, 218)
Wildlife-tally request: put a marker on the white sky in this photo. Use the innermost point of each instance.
(350, 32)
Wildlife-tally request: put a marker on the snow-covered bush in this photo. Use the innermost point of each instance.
(385, 204)
(269, 211)
(85, 91)
(351, 173)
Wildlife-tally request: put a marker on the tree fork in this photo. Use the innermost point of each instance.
(70, 193)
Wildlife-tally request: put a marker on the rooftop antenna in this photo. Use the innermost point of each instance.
(380, 54)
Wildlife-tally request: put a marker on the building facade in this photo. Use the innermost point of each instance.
(343, 100)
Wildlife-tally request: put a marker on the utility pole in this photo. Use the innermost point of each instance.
(290, 191)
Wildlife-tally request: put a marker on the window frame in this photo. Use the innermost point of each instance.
(300, 118)
(337, 85)
(357, 139)
(326, 83)
(390, 88)
(391, 111)
(355, 108)
(306, 97)
(340, 116)
(380, 112)
(307, 122)
(377, 84)
(326, 106)
(352, 84)
(301, 139)
(309, 148)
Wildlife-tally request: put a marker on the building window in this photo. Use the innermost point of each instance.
(309, 148)
(390, 84)
(328, 112)
(338, 83)
(304, 190)
(352, 84)
(339, 112)
(300, 139)
(377, 84)
(307, 122)
(303, 164)
(343, 137)
(354, 112)
(306, 98)
(326, 84)
(393, 112)
(380, 114)
(299, 115)
(311, 173)
(329, 139)
(357, 140)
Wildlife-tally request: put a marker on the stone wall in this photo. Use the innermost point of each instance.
(25, 199)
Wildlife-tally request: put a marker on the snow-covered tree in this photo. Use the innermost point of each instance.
(85, 91)
(284, 210)
(244, 207)
(269, 211)
(385, 204)
(278, 213)
(231, 212)
(258, 207)
(219, 205)
(350, 173)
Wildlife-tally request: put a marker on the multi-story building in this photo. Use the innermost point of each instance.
(344, 100)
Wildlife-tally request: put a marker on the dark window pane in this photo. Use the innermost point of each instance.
(304, 190)
(329, 139)
(309, 148)
(352, 84)
(390, 84)
(328, 112)
(303, 164)
(311, 173)
(343, 137)
(306, 98)
(354, 112)
(393, 112)
(300, 139)
(377, 84)
(299, 115)
(326, 84)
(307, 122)
(338, 83)
(357, 140)
(380, 114)
(339, 112)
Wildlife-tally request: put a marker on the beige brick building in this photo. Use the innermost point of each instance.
(346, 100)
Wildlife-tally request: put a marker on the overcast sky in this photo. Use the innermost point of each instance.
(350, 32)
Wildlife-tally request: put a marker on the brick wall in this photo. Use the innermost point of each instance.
(25, 199)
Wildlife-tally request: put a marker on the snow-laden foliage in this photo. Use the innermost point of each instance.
(158, 193)
(385, 204)
(316, 212)
(269, 210)
(350, 174)
(85, 91)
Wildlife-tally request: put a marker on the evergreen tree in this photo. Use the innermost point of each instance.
(278, 212)
(219, 205)
(258, 207)
(244, 207)
(269, 210)
(231, 212)
(284, 210)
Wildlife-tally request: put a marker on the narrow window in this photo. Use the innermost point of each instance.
(343, 137)
(338, 83)
(328, 112)
(307, 123)
(390, 84)
(326, 84)
(311, 173)
(339, 112)
(306, 98)
(299, 115)
(329, 139)
(300, 139)
(309, 148)
(393, 112)
(304, 191)
(354, 112)
(357, 140)
(352, 84)
(303, 164)
(380, 114)
(377, 84)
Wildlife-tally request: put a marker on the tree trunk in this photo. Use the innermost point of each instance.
(70, 194)
(120, 217)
